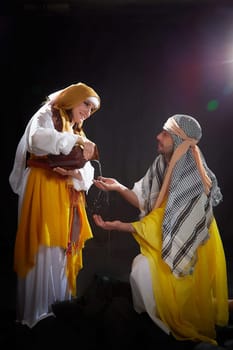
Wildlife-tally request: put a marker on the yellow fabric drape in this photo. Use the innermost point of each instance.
(192, 305)
(74, 252)
(45, 219)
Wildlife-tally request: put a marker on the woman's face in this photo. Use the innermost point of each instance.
(82, 111)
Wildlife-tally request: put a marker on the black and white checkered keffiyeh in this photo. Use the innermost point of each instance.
(188, 211)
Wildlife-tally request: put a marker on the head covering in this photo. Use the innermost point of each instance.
(75, 94)
(70, 97)
(186, 133)
(191, 190)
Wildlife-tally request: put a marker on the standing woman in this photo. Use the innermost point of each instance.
(52, 220)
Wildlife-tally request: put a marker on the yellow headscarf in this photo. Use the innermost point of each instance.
(72, 96)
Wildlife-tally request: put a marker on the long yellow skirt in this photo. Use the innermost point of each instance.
(46, 219)
(193, 305)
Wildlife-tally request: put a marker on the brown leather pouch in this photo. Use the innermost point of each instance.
(73, 160)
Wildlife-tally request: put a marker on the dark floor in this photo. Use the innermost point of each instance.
(102, 319)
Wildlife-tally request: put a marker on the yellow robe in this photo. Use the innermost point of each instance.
(190, 306)
(46, 219)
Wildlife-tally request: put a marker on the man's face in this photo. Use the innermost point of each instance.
(165, 144)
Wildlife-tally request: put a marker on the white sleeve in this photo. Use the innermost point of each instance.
(87, 173)
(137, 189)
(42, 138)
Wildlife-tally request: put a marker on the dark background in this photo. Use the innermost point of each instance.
(147, 61)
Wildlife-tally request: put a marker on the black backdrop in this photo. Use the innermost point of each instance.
(147, 63)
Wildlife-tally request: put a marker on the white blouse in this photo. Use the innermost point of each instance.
(40, 138)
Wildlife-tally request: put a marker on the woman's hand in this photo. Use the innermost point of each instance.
(89, 147)
(65, 172)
